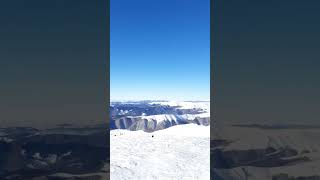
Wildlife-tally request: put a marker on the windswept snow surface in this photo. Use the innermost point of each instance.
(178, 152)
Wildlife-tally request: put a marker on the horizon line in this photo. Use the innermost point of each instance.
(153, 100)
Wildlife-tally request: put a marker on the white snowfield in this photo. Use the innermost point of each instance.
(179, 152)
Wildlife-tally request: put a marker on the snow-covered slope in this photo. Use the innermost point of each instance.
(178, 152)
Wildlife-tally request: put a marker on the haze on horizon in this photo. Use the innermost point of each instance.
(150, 98)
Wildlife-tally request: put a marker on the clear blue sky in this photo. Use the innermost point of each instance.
(160, 49)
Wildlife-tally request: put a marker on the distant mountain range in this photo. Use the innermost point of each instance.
(151, 116)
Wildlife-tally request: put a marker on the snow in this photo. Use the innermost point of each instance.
(193, 116)
(160, 117)
(172, 117)
(178, 152)
(186, 104)
(185, 130)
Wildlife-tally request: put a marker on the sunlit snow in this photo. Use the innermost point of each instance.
(178, 152)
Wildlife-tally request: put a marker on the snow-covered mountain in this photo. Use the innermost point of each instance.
(153, 116)
(160, 140)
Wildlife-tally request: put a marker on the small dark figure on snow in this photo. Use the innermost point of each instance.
(152, 136)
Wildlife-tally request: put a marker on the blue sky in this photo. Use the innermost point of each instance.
(159, 49)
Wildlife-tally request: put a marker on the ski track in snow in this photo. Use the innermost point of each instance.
(180, 152)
